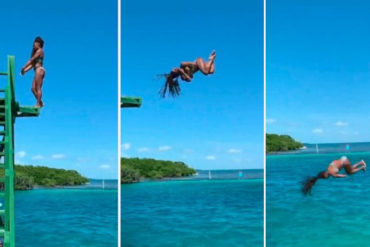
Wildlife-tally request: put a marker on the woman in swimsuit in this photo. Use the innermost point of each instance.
(186, 72)
(36, 62)
(333, 170)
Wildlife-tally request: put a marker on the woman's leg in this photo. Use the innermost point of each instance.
(33, 88)
(361, 163)
(39, 79)
(203, 66)
(353, 169)
(206, 67)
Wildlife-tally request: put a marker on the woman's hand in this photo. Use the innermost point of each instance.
(26, 68)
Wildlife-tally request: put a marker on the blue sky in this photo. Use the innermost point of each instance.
(77, 128)
(318, 70)
(217, 121)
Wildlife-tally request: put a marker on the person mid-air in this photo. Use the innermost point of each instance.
(186, 72)
(36, 63)
(333, 170)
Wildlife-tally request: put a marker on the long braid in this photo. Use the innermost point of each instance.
(171, 85)
(311, 181)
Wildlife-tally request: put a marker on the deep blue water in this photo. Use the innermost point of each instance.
(224, 211)
(337, 212)
(83, 217)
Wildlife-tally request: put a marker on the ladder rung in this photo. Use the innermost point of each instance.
(3, 73)
(2, 179)
(2, 232)
(2, 90)
(2, 194)
(2, 212)
(2, 132)
(2, 122)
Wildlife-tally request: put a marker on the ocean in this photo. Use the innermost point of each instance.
(226, 210)
(83, 216)
(336, 214)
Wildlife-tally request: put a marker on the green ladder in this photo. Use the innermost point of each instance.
(9, 111)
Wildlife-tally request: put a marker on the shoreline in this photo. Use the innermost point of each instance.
(201, 178)
(245, 180)
(318, 154)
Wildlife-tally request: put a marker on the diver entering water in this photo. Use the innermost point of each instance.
(333, 170)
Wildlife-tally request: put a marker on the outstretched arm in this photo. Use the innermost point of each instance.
(337, 175)
(26, 69)
(29, 63)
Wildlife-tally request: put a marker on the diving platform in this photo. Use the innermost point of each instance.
(130, 102)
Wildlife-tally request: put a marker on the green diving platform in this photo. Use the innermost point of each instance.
(130, 102)
(28, 111)
(10, 109)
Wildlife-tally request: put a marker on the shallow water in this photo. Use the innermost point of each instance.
(83, 217)
(222, 212)
(335, 215)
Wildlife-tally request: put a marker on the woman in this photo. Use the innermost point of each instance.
(333, 170)
(186, 72)
(36, 62)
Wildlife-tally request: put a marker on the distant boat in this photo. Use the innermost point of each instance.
(317, 148)
(209, 175)
(240, 174)
(103, 184)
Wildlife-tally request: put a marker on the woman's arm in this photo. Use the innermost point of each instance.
(337, 175)
(32, 59)
(26, 69)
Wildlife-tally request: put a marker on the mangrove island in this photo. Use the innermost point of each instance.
(27, 177)
(281, 143)
(134, 169)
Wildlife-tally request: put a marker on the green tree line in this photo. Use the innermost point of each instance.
(281, 143)
(132, 169)
(27, 177)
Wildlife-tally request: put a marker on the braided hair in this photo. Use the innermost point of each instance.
(310, 182)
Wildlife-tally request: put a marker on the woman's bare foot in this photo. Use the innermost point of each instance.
(39, 104)
(212, 56)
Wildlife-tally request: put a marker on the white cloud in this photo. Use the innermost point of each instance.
(341, 124)
(210, 157)
(143, 150)
(317, 131)
(21, 154)
(235, 150)
(270, 120)
(126, 146)
(164, 148)
(104, 166)
(58, 156)
(38, 157)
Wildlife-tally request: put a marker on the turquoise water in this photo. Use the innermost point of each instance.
(85, 217)
(337, 213)
(196, 212)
